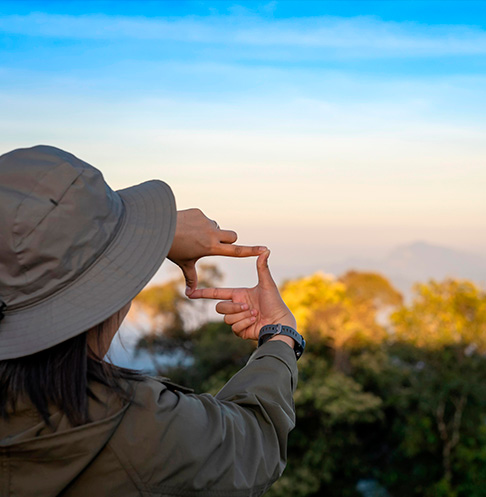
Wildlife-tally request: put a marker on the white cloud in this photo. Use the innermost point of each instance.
(356, 35)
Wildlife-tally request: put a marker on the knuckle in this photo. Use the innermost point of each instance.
(238, 250)
(194, 212)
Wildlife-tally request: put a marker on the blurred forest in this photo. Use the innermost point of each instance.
(392, 395)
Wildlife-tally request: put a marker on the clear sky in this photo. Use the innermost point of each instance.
(322, 129)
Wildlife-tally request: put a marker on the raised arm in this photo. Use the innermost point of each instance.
(233, 444)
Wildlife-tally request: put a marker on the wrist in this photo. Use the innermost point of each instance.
(284, 333)
(287, 320)
(288, 340)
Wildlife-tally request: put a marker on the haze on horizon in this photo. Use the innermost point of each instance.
(323, 129)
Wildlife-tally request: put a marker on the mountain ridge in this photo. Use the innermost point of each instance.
(420, 261)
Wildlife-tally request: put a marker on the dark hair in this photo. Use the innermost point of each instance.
(61, 376)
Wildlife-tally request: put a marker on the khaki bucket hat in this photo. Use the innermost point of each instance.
(72, 251)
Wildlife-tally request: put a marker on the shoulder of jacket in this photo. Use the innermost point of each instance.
(159, 384)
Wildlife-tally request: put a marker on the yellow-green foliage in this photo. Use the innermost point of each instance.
(160, 299)
(308, 295)
(341, 311)
(443, 313)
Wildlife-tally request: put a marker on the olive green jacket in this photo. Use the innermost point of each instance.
(165, 442)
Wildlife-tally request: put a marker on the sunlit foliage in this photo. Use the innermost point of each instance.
(443, 313)
(344, 311)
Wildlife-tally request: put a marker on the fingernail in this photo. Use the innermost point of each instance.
(244, 307)
(253, 312)
(188, 290)
(252, 319)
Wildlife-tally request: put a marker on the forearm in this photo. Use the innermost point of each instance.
(265, 387)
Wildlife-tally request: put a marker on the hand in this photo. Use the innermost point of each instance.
(197, 236)
(248, 309)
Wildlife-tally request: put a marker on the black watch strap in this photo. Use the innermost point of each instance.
(270, 330)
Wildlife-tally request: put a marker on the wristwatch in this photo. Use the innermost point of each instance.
(270, 330)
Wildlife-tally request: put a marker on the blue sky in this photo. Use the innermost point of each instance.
(346, 127)
(423, 11)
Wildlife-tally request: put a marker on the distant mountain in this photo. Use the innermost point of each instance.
(418, 262)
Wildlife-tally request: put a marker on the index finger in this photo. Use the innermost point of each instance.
(230, 250)
(212, 293)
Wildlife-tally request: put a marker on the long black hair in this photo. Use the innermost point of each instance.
(61, 376)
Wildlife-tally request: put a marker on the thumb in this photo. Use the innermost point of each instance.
(264, 277)
(190, 276)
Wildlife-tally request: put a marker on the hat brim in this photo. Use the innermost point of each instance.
(116, 277)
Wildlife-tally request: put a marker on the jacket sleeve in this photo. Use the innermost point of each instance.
(233, 444)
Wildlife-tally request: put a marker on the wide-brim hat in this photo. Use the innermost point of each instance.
(72, 251)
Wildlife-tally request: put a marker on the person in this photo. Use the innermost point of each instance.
(73, 255)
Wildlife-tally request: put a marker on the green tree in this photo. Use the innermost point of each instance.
(331, 448)
(326, 453)
(443, 313)
(440, 338)
(173, 317)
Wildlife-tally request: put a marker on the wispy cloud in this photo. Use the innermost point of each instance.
(348, 116)
(353, 36)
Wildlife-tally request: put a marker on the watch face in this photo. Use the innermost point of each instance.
(299, 347)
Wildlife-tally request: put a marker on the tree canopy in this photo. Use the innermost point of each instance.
(392, 394)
